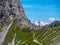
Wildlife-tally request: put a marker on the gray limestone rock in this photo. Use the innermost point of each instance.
(14, 7)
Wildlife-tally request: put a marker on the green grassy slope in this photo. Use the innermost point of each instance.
(1, 27)
(45, 36)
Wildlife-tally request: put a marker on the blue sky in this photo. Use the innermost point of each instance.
(43, 10)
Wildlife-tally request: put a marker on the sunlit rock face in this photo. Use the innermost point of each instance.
(9, 7)
(14, 7)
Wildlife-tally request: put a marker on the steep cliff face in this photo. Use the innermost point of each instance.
(14, 8)
(9, 7)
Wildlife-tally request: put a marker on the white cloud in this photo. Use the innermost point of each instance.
(36, 23)
(42, 23)
(51, 19)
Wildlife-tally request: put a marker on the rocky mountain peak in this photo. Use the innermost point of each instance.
(14, 8)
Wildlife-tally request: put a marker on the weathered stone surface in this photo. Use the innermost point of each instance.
(14, 7)
(9, 7)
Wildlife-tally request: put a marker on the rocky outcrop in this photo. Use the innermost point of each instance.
(55, 23)
(9, 7)
(14, 8)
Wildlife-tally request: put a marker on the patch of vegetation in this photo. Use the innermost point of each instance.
(6, 17)
(1, 27)
(25, 36)
(11, 32)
